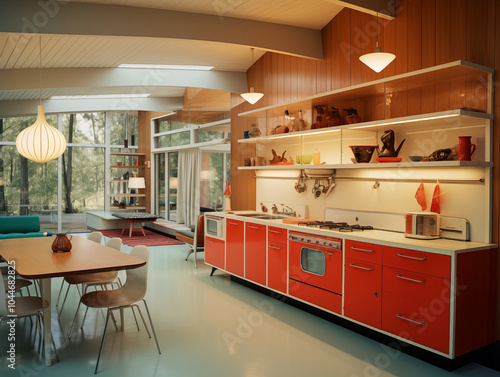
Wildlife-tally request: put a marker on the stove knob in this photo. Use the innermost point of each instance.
(302, 239)
(317, 241)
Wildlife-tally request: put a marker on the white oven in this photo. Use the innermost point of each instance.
(214, 226)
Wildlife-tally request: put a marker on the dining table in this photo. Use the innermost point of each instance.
(34, 259)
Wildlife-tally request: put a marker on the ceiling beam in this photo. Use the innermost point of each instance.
(59, 17)
(24, 79)
(29, 107)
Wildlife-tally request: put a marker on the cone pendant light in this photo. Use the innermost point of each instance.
(377, 60)
(40, 142)
(252, 96)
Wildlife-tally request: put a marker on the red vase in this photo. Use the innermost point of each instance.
(465, 148)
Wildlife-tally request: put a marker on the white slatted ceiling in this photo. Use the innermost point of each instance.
(21, 51)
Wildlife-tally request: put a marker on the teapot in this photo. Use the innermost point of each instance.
(61, 243)
(388, 140)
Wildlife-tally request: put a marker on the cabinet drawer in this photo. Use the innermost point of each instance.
(363, 251)
(405, 317)
(214, 252)
(424, 288)
(275, 234)
(418, 261)
(320, 297)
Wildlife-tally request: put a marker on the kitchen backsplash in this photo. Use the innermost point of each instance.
(462, 194)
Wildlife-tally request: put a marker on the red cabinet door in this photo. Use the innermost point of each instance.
(363, 291)
(255, 253)
(214, 252)
(235, 231)
(276, 266)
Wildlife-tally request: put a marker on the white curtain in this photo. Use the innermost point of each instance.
(188, 189)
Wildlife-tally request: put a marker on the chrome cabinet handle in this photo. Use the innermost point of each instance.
(210, 241)
(410, 257)
(361, 268)
(231, 223)
(275, 231)
(410, 279)
(410, 320)
(328, 252)
(253, 227)
(275, 248)
(365, 250)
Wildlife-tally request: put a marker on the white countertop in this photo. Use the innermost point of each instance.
(380, 237)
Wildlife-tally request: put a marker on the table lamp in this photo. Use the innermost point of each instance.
(135, 183)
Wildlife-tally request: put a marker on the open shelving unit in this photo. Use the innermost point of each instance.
(377, 100)
(119, 190)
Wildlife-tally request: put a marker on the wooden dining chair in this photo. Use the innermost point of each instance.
(127, 296)
(94, 236)
(23, 307)
(98, 279)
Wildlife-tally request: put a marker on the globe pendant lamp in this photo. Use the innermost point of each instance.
(377, 60)
(40, 142)
(252, 96)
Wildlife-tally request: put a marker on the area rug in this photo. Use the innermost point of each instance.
(151, 239)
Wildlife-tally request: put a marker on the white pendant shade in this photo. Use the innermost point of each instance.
(252, 97)
(41, 142)
(377, 60)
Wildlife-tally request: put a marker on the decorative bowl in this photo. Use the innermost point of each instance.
(363, 153)
(416, 158)
(305, 159)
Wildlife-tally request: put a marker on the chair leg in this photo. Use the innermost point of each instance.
(64, 301)
(152, 327)
(135, 318)
(189, 252)
(195, 247)
(102, 341)
(60, 291)
(74, 320)
(143, 321)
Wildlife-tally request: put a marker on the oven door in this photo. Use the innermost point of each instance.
(315, 265)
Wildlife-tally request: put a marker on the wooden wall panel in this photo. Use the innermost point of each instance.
(345, 44)
(458, 30)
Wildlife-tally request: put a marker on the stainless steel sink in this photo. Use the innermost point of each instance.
(263, 216)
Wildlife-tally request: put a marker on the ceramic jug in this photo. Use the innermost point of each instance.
(465, 148)
(61, 243)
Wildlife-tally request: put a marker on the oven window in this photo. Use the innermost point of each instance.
(313, 261)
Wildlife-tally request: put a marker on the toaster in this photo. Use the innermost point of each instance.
(423, 225)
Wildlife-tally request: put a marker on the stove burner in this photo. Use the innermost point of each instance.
(331, 225)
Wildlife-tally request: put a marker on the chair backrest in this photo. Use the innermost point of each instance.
(136, 284)
(95, 236)
(115, 243)
(199, 231)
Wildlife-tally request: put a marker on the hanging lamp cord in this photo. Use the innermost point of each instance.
(40, 69)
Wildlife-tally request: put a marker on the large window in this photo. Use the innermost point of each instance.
(207, 131)
(30, 188)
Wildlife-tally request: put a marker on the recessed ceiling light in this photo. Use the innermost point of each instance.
(159, 66)
(103, 96)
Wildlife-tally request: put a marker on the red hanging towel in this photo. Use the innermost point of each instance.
(420, 196)
(436, 202)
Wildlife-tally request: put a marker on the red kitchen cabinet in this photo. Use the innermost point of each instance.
(363, 291)
(235, 231)
(255, 253)
(214, 252)
(416, 297)
(277, 259)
